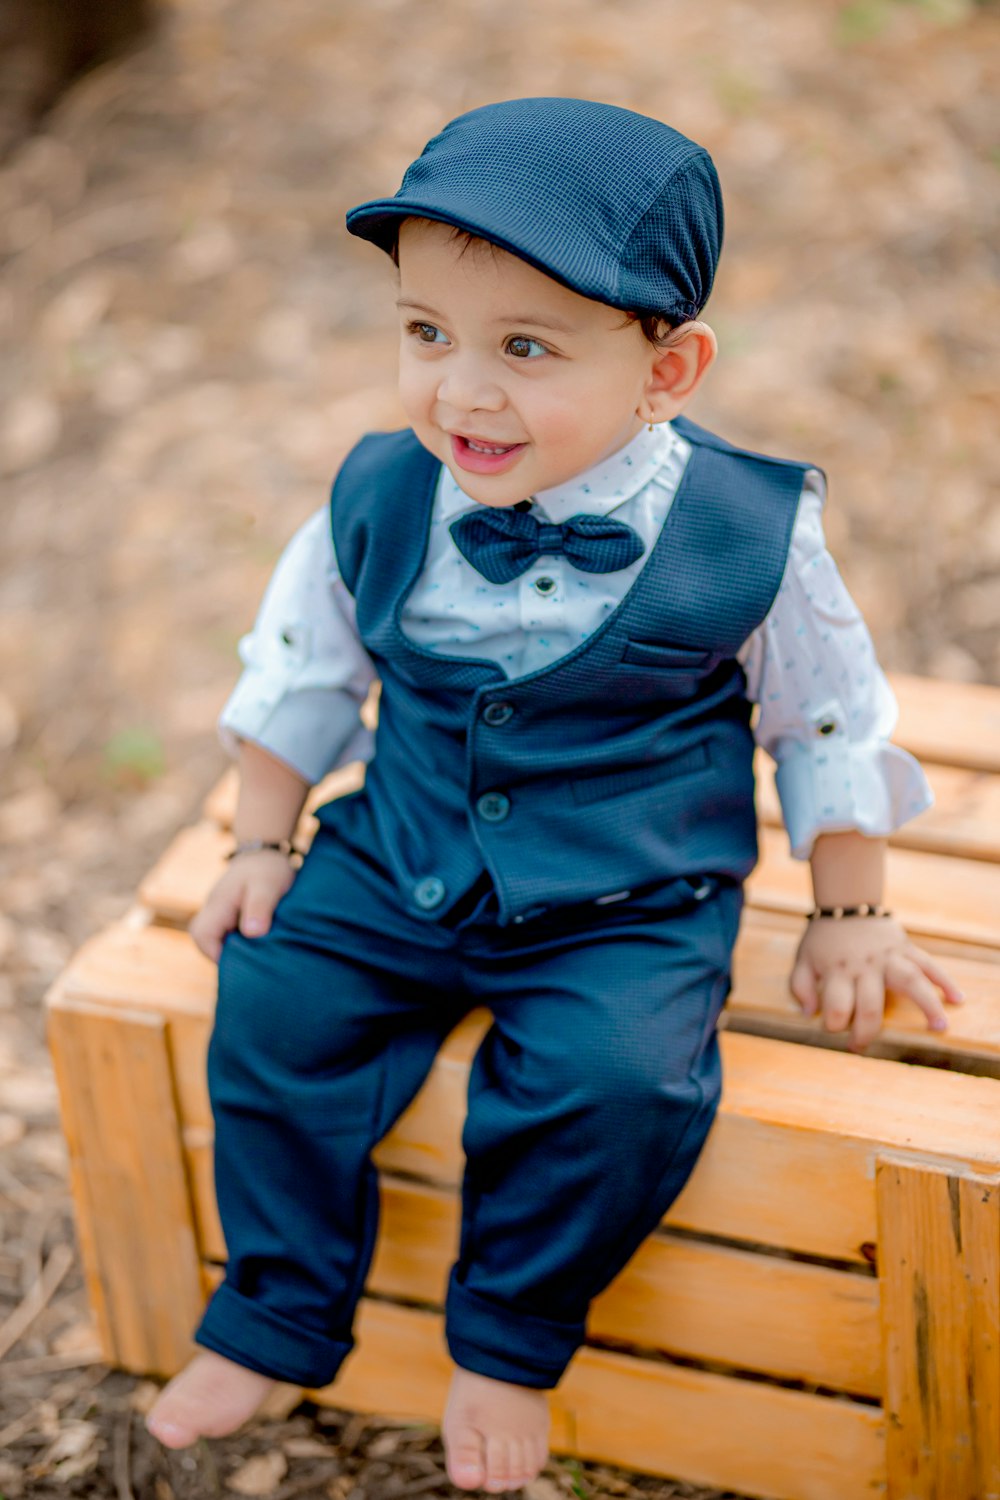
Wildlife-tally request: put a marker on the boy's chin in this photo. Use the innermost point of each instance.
(488, 490)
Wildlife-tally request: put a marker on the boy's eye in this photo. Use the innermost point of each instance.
(524, 348)
(426, 333)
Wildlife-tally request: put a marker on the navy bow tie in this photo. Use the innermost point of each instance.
(501, 544)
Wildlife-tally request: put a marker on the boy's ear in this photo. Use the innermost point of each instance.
(677, 370)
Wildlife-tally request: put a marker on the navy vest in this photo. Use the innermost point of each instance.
(625, 762)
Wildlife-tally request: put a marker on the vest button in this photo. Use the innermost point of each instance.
(429, 893)
(493, 807)
(545, 585)
(498, 713)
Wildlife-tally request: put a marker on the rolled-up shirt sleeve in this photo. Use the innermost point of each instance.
(826, 708)
(306, 673)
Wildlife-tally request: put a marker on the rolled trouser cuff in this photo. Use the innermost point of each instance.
(262, 1340)
(506, 1344)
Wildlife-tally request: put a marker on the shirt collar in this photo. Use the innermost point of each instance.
(596, 492)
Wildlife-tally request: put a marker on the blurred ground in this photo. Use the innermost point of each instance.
(190, 341)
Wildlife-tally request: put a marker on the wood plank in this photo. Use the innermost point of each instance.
(934, 896)
(939, 1265)
(762, 1003)
(783, 1318)
(790, 1160)
(180, 880)
(160, 969)
(655, 1417)
(794, 1153)
(131, 1193)
(964, 821)
(956, 723)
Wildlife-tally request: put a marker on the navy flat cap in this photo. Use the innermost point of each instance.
(614, 204)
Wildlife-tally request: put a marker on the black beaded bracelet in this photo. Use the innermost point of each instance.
(864, 910)
(254, 846)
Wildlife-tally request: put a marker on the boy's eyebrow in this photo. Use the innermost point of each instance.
(535, 320)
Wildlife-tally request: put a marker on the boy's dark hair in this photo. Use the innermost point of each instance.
(655, 327)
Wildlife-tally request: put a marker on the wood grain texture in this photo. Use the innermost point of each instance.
(656, 1417)
(783, 1318)
(964, 821)
(939, 1268)
(789, 1162)
(137, 1232)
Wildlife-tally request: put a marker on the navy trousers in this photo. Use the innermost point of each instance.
(589, 1101)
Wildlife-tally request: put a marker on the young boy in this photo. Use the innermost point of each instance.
(572, 596)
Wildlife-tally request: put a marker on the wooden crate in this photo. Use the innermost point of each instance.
(818, 1318)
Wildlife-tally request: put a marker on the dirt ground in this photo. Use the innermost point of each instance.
(189, 341)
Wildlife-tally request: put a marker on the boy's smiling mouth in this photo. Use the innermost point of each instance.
(477, 456)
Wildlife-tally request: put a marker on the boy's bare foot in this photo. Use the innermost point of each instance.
(496, 1435)
(210, 1397)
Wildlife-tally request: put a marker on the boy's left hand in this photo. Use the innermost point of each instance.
(843, 966)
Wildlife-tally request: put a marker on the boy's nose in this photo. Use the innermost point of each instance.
(464, 388)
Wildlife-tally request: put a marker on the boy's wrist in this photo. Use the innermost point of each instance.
(284, 847)
(838, 913)
(848, 871)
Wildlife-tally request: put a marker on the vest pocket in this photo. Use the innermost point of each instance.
(651, 654)
(612, 783)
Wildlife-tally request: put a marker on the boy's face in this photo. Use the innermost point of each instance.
(511, 379)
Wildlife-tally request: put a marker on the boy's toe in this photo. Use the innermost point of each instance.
(466, 1461)
(497, 1464)
(520, 1463)
(171, 1434)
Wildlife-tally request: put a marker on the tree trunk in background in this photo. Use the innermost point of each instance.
(46, 44)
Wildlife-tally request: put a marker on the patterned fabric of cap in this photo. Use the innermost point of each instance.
(618, 206)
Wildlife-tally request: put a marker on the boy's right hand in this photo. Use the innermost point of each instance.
(244, 897)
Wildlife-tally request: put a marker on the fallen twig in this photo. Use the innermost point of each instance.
(36, 1297)
(15, 1190)
(59, 1396)
(121, 1466)
(44, 1364)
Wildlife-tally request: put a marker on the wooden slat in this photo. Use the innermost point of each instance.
(934, 896)
(939, 1234)
(956, 723)
(616, 1408)
(177, 885)
(137, 1232)
(765, 1175)
(762, 1003)
(964, 821)
(700, 1301)
(160, 968)
(655, 1417)
(156, 971)
(790, 1160)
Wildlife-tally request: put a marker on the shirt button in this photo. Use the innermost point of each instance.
(429, 893)
(498, 713)
(545, 585)
(493, 807)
